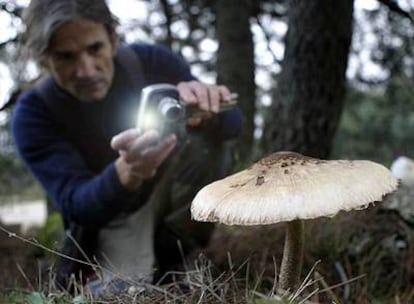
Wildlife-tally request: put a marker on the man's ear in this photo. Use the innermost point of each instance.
(113, 38)
(43, 64)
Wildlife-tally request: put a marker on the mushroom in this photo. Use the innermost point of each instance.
(403, 169)
(290, 187)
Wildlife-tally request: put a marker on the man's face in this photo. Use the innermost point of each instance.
(80, 59)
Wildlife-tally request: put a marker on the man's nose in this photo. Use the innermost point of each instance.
(85, 66)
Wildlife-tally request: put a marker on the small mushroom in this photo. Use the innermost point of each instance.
(289, 187)
(403, 169)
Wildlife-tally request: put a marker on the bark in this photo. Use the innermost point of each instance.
(235, 62)
(309, 98)
(168, 21)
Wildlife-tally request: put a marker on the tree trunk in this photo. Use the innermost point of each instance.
(235, 62)
(309, 98)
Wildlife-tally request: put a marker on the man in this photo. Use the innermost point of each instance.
(123, 192)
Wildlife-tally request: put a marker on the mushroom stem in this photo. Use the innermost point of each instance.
(291, 266)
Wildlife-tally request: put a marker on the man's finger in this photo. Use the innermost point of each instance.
(202, 95)
(214, 98)
(123, 139)
(225, 94)
(186, 93)
(157, 154)
(139, 144)
(195, 92)
(153, 157)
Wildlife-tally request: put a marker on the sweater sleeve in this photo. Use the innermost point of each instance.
(81, 195)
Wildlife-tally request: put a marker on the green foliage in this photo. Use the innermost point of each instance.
(40, 298)
(13, 297)
(79, 300)
(52, 233)
(260, 301)
(377, 125)
(9, 164)
(37, 298)
(16, 180)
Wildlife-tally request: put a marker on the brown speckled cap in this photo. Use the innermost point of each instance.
(286, 186)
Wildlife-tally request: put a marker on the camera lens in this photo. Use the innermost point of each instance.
(170, 108)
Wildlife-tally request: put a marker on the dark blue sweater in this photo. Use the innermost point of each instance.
(75, 163)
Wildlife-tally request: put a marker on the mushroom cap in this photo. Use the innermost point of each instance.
(403, 169)
(285, 186)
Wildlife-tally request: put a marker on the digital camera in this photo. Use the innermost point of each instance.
(161, 109)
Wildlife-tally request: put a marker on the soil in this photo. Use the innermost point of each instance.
(18, 263)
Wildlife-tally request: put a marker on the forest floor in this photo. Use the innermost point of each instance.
(369, 254)
(17, 263)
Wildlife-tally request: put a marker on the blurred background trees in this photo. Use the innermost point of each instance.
(328, 79)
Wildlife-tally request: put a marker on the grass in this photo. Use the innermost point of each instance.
(357, 257)
(199, 285)
(202, 282)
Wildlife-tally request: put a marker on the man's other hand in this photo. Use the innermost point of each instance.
(207, 97)
(140, 155)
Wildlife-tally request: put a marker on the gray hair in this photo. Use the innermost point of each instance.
(43, 17)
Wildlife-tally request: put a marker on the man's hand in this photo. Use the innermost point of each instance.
(140, 155)
(207, 97)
